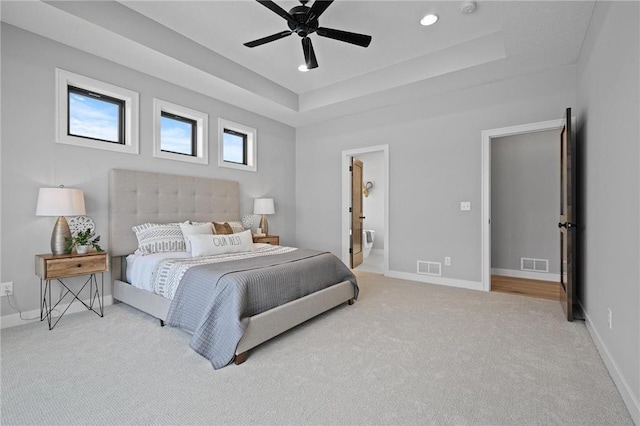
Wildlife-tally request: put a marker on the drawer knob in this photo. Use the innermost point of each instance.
(79, 265)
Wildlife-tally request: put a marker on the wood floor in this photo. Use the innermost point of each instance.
(526, 287)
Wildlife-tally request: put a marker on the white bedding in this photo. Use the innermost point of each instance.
(160, 273)
(140, 268)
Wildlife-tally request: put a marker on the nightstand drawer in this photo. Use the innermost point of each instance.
(267, 239)
(56, 267)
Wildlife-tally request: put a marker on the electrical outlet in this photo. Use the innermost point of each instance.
(447, 261)
(465, 206)
(6, 289)
(610, 319)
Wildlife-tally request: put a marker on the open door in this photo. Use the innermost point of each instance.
(356, 212)
(568, 215)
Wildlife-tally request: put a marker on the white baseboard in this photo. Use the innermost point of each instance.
(630, 400)
(13, 320)
(450, 282)
(542, 276)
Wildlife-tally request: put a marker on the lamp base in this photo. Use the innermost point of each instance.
(59, 235)
(264, 224)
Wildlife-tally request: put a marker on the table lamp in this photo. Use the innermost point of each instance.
(263, 206)
(60, 202)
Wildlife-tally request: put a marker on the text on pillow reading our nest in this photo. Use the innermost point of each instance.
(227, 241)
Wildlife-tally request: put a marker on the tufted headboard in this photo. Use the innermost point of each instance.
(137, 197)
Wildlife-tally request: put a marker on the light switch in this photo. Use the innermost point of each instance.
(465, 206)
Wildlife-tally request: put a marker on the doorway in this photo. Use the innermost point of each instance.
(525, 201)
(487, 137)
(375, 206)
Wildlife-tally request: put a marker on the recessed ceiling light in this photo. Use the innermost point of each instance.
(429, 20)
(303, 68)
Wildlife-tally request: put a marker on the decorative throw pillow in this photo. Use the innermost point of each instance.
(156, 238)
(194, 229)
(236, 226)
(209, 245)
(222, 228)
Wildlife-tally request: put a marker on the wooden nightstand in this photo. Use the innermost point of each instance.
(269, 239)
(51, 267)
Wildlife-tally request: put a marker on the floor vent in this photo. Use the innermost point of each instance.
(429, 268)
(534, 265)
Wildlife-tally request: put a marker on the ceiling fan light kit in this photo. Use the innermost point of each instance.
(303, 20)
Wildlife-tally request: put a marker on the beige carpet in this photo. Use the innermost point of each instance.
(405, 353)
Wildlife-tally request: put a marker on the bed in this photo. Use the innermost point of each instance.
(137, 197)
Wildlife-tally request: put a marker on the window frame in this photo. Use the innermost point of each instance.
(104, 98)
(244, 137)
(128, 128)
(199, 132)
(250, 153)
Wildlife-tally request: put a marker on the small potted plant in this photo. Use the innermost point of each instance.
(83, 240)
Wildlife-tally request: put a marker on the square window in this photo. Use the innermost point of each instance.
(237, 146)
(94, 114)
(179, 133)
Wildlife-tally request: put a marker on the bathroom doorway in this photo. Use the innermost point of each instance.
(373, 236)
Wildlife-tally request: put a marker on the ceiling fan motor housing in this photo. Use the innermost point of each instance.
(301, 26)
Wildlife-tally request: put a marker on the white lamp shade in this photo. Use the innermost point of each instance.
(263, 206)
(60, 202)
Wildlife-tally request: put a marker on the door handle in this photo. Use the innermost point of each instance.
(567, 225)
(362, 217)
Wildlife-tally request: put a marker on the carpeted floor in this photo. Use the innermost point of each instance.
(405, 353)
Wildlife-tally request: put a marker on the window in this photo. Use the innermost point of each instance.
(180, 133)
(94, 114)
(177, 134)
(236, 146)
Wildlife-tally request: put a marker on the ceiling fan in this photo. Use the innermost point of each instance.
(303, 20)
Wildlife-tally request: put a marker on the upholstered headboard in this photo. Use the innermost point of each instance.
(137, 197)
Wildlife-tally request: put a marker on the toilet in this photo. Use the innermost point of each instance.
(366, 244)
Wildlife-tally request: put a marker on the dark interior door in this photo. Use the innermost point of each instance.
(356, 212)
(568, 215)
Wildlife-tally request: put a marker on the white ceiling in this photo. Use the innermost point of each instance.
(198, 44)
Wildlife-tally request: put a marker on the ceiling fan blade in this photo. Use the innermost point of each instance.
(267, 39)
(309, 54)
(277, 9)
(353, 38)
(317, 9)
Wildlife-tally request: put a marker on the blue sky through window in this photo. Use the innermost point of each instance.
(233, 148)
(93, 118)
(175, 136)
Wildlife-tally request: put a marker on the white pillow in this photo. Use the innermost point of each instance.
(156, 238)
(194, 229)
(209, 245)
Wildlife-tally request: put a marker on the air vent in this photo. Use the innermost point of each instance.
(534, 265)
(429, 268)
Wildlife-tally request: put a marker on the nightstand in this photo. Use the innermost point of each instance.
(51, 267)
(269, 239)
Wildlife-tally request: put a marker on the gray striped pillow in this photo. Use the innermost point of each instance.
(156, 238)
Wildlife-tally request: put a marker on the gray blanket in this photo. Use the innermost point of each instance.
(212, 299)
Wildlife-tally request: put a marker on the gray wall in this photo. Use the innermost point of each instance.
(373, 205)
(435, 162)
(608, 115)
(525, 199)
(31, 159)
